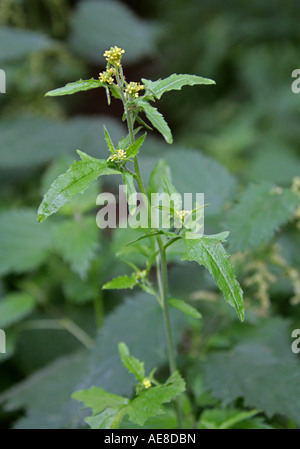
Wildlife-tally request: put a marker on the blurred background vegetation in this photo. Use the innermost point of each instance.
(234, 141)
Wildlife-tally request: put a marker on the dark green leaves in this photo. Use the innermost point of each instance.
(74, 181)
(73, 88)
(214, 257)
(173, 82)
(261, 211)
(156, 118)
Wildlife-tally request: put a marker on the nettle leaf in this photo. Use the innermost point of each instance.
(252, 370)
(156, 118)
(120, 282)
(185, 308)
(214, 257)
(131, 192)
(132, 364)
(77, 241)
(24, 245)
(261, 211)
(133, 149)
(74, 181)
(46, 395)
(173, 82)
(146, 405)
(76, 86)
(14, 307)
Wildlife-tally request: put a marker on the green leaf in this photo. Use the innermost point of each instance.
(173, 82)
(120, 282)
(24, 244)
(74, 181)
(97, 399)
(133, 150)
(185, 308)
(149, 402)
(215, 259)
(261, 211)
(156, 118)
(128, 180)
(14, 307)
(146, 405)
(217, 238)
(98, 24)
(76, 86)
(132, 364)
(109, 141)
(77, 241)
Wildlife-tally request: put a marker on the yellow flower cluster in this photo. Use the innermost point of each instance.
(114, 55)
(107, 77)
(147, 383)
(182, 214)
(140, 274)
(134, 88)
(119, 155)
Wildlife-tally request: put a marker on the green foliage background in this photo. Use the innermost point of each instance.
(238, 142)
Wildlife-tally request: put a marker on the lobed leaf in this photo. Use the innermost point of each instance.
(74, 181)
(261, 210)
(73, 88)
(156, 118)
(173, 82)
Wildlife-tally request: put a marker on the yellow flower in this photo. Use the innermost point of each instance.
(140, 274)
(182, 214)
(105, 77)
(147, 383)
(114, 55)
(133, 89)
(119, 155)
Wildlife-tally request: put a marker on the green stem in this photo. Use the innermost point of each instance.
(162, 273)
